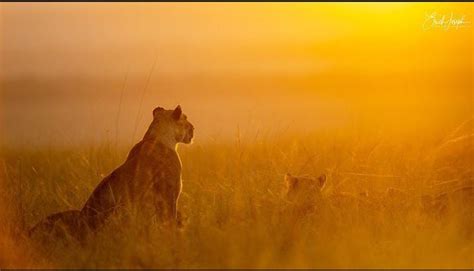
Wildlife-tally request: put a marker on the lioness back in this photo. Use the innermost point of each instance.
(139, 182)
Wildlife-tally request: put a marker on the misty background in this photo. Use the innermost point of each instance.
(91, 72)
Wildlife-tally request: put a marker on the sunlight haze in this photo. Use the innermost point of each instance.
(228, 65)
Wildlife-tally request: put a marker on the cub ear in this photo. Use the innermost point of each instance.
(157, 110)
(290, 180)
(177, 113)
(321, 181)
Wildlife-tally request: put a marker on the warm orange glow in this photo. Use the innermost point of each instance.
(370, 93)
(379, 61)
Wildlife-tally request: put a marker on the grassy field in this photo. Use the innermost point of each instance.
(236, 212)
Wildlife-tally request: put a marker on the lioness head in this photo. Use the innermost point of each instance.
(301, 189)
(170, 127)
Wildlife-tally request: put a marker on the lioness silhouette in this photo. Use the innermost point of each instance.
(149, 178)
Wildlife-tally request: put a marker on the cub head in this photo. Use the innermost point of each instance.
(170, 127)
(304, 188)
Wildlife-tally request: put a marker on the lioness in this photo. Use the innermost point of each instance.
(150, 176)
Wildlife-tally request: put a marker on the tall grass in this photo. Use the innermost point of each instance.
(236, 211)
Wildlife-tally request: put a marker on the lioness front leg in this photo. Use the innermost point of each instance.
(173, 214)
(166, 210)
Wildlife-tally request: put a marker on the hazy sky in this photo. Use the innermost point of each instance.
(65, 66)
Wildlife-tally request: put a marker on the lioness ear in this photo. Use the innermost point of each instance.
(156, 110)
(177, 113)
(322, 181)
(290, 181)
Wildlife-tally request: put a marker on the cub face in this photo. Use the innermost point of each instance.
(303, 189)
(172, 125)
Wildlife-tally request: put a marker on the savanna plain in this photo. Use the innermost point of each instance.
(403, 210)
(376, 97)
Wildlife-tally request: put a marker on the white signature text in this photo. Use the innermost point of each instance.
(444, 21)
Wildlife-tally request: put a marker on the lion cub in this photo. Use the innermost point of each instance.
(150, 178)
(304, 192)
(307, 194)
